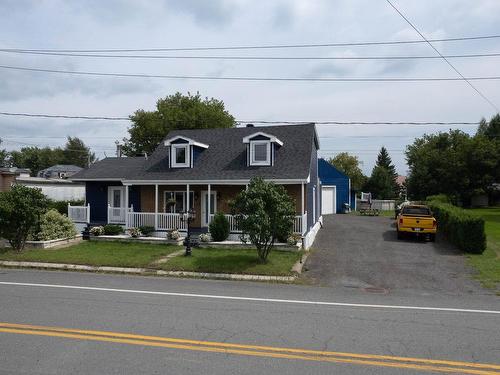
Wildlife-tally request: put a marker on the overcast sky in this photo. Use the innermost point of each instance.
(190, 23)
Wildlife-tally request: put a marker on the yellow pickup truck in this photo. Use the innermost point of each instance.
(417, 220)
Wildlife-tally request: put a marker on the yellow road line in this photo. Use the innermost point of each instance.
(243, 352)
(253, 347)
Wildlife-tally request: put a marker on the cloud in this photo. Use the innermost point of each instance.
(213, 13)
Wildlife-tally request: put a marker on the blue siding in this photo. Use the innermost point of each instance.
(313, 189)
(329, 175)
(135, 197)
(96, 194)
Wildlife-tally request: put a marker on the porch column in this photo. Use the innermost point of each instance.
(187, 198)
(156, 206)
(208, 203)
(302, 198)
(126, 206)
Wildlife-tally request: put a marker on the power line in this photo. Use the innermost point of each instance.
(275, 46)
(220, 57)
(65, 116)
(239, 78)
(284, 122)
(443, 57)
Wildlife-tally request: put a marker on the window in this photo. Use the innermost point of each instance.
(180, 201)
(260, 153)
(180, 155)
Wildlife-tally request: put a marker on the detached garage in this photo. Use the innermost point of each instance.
(335, 189)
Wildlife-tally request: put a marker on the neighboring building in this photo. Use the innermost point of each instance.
(59, 171)
(57, 189)
(8, 176)
(204, 170)
(335, 189)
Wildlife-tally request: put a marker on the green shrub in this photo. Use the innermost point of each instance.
(53, 225)
(440, 198)
(219, 227)
(20, 211)
(146, 230)
(113, 229)
(62, 206)
(462, 228)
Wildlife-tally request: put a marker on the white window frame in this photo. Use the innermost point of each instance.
(173, 154)
(252, 152)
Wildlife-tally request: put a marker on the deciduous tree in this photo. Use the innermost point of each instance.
(174, 112)
(349, 165)
(265, 212)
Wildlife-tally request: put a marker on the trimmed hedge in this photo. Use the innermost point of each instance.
(463, 229)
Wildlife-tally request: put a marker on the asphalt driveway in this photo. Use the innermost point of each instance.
(361, 252)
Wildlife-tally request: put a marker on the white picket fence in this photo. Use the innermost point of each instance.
(79, 214)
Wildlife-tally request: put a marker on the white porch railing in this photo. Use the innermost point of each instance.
(299, 224)
(164, 221)
(140, 219)
(116, 215)
(167, 221)
(79, 214)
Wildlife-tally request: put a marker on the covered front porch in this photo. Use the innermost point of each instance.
(162, 206)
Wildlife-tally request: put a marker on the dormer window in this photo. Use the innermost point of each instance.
(182, 150)
(180, 155)
(260, 153)
(261, 148)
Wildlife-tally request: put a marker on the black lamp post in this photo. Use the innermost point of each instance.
(188, 217)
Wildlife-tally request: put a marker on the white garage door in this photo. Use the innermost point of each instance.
(328, 200)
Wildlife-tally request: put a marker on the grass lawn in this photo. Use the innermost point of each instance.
(279, 263)
(96, 254)
(488, 263)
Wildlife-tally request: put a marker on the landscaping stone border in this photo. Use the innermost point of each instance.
(128, 239)
(57, 243)
(145, 271)
(238, 245)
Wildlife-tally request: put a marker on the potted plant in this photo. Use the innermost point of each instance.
(97, 231)
(174, 235)
(134, 232)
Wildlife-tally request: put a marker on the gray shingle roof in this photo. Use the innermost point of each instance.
(225, 159)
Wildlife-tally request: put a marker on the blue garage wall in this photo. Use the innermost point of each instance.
(329, 175)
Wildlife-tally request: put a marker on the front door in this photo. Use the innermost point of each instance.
(204, 206)
(116, 201)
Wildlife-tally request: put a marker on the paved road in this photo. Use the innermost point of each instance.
(252, 314)
(357, 252)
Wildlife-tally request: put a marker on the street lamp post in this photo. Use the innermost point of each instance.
(188, 217)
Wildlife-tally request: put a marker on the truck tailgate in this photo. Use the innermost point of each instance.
(418, 222)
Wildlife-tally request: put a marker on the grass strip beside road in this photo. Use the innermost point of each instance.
(114, 254)
(238, 261)
(488, 263)
(421, 364)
